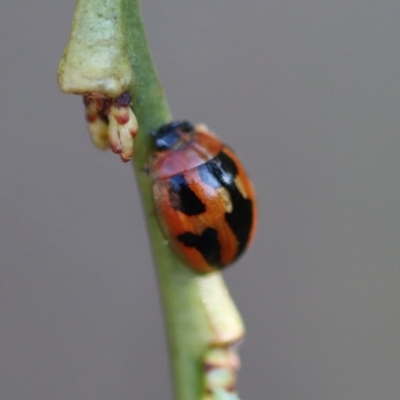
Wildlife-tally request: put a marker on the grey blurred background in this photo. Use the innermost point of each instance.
(308, 93)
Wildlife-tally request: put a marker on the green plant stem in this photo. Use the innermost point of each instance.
(199, 312)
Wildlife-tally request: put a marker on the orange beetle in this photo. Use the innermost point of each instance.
(203, 198)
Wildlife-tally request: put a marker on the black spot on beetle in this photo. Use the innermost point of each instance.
(221, 171)
(207, 244)
(182, 198)
(207, 175)
(240, 220)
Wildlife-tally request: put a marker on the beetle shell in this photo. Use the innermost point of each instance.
(203, 198)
